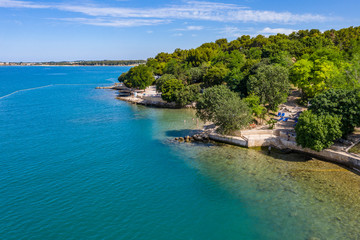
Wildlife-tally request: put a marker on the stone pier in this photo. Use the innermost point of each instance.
(280, 139)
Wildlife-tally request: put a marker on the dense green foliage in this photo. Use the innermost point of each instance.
(160, 81)
(315, 61)
(317, 131)
(215, 75)
(138, 77)
(262, 67)
(187, 95)
(316, 74)
(253, 101)
(169, 89)
(271, 84)
(340, 102)
(223, 107)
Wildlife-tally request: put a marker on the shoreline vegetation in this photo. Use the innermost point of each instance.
(306, 84)
(119, 63)
(281, 136)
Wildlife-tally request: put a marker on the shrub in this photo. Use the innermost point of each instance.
(223, 107)
(169, 89)
(345, 103)
(317, 131)
(187, 95)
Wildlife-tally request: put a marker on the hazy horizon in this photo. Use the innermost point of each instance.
(42, 31)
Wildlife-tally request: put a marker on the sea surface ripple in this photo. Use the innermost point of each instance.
(75, 163)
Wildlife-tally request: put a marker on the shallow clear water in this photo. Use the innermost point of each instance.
(77, 164)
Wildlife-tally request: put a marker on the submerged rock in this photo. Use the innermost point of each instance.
(197, 137)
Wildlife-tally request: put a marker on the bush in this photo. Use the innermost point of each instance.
(169, 89)
(317, 131)
(236, 81)
(195, 75)
(162, 80)
(187, 95)
(138, 77)
(345, 103)
(223, 107)
(253, 102)
(215, 75)
(122, 77)
(271, 84)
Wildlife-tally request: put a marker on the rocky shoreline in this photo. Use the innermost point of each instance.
(276, 139)
(249, 138)
(148, 102)
(148, 97)
(200, 137)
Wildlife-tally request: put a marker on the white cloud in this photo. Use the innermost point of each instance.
(20, 4)
(194, 28)
(115, 22)
(268, 30)
(232, 32)
(177, 34)
(191, 10)
(190, 28)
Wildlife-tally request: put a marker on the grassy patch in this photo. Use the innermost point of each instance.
(355, 149)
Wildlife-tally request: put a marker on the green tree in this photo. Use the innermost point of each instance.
(156, 66)
(257, 109)
(223, 107)
(215, 75)
(173, 67)
(255, 53)
(122, 77)
(317, 131)
(195, 75)
(271, 84)
(160, 81)
(202, 54)
(222, 43)
(169, 89)
(187, 95)
(318, 73)
(352, 71)
(301, 75)
(236, 81)
(236, 60)
(138, 77)
(163, 57)
(234, 45)
(340, 102)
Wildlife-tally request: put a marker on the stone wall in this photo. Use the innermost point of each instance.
(343, 158)
(280, 140)
(238, 141)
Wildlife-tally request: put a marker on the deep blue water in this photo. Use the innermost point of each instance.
(75, 163)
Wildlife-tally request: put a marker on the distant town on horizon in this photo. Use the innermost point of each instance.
(77, 63)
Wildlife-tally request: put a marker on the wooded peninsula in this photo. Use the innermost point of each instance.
(242, 82)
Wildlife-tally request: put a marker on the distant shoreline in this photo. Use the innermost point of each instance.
(48, 65)
(92, 63)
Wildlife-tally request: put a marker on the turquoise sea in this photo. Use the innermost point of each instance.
(75, 163)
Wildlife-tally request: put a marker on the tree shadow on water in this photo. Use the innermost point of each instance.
(182, 132)
(294, 156)
(285, 155)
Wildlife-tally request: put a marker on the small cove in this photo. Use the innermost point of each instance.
(78, 164)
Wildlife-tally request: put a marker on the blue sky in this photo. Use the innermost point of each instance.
(137, 29)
